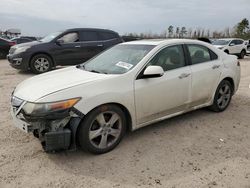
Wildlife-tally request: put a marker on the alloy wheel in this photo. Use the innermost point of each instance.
(224, 96)
(105, 129)
(41, 64)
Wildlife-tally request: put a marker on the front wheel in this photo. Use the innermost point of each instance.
(222, 96)
(40, 63)
(2, 54)
(242, 54)
(102, 129)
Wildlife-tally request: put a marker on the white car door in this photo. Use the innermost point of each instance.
(165, 95)
(233, 47)
(206, 71)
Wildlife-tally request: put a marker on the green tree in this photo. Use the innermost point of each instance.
(183, 32)
(170, 31)
(177, 32)
(242, 28)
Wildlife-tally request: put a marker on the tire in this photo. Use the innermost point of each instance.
(222, 96)
(226, 51)
(242, 54)
(40, 63)
(102, 129)
(2, 54)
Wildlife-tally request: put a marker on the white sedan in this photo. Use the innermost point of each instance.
(129, 86)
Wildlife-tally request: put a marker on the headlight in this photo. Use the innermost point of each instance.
(21, 49)
(221, 47)
(46, 108)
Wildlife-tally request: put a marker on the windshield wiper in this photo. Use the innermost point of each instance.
(95, 71)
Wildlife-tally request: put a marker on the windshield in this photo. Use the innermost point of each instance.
(221, 42)
(119, 59)
(50, 37)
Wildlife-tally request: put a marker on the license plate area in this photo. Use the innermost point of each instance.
(18, 122)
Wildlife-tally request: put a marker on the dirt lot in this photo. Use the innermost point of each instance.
(198, 149)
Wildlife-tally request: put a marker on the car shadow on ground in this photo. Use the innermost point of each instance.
(165, 147)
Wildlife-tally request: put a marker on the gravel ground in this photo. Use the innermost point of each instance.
(198, 149)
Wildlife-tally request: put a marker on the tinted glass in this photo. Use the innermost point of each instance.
(198, 53)
(89, 36)
(234, 42)
(107, 36)
(239, 41)
(213, 55)
(169, 58)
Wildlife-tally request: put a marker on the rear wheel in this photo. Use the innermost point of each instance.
(2, 54)
(102, 129)
(40, 64)
(222, 96)
(242, 54)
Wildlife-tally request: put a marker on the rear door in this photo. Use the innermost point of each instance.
(109, 38)
(91, 44)
(206, 71)
(68, 52)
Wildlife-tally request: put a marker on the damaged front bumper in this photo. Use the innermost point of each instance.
(55, 132)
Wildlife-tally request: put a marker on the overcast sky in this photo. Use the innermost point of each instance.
(40, 17)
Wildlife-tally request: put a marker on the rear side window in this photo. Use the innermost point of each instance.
(107, 35)
(198, 53)
(213, 55)
(89, 36)
(239, 42)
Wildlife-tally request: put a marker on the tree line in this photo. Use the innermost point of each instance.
(240, 30)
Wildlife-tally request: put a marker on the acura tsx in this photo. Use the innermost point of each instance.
(128, 86)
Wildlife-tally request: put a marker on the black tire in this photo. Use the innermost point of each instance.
(99, 129)
(41, 63)
(242, 54)
(2, 54)
(226, 51)
(222, 100)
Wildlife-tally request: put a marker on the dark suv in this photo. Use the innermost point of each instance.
(70, 47)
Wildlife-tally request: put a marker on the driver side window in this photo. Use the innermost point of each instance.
(169, 58)
(70, 37)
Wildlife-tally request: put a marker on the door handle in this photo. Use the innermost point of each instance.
(215, 66)
(100, 45)
(78, 46)
(184, 75)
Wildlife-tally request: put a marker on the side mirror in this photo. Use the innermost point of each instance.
(231, 44)
(153, 72)
(59, 42)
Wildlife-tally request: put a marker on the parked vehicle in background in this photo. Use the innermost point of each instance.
(130, 38)
(248, 47)
(20, 40)
(70, 47)
(5, 46)
(232, 46)
(127, 87)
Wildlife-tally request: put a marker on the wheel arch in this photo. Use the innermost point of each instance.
(123, 108)
(231, 82)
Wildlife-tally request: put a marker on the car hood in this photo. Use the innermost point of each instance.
(33, 43)
(219, 46)
(39, 86)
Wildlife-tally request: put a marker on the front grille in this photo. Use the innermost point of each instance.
(12, 50)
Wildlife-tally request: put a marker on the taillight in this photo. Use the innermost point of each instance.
(12, 43)
(238, 63)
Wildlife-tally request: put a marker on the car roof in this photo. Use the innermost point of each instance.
(90, 29)
(229, 39)
(157, 42)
